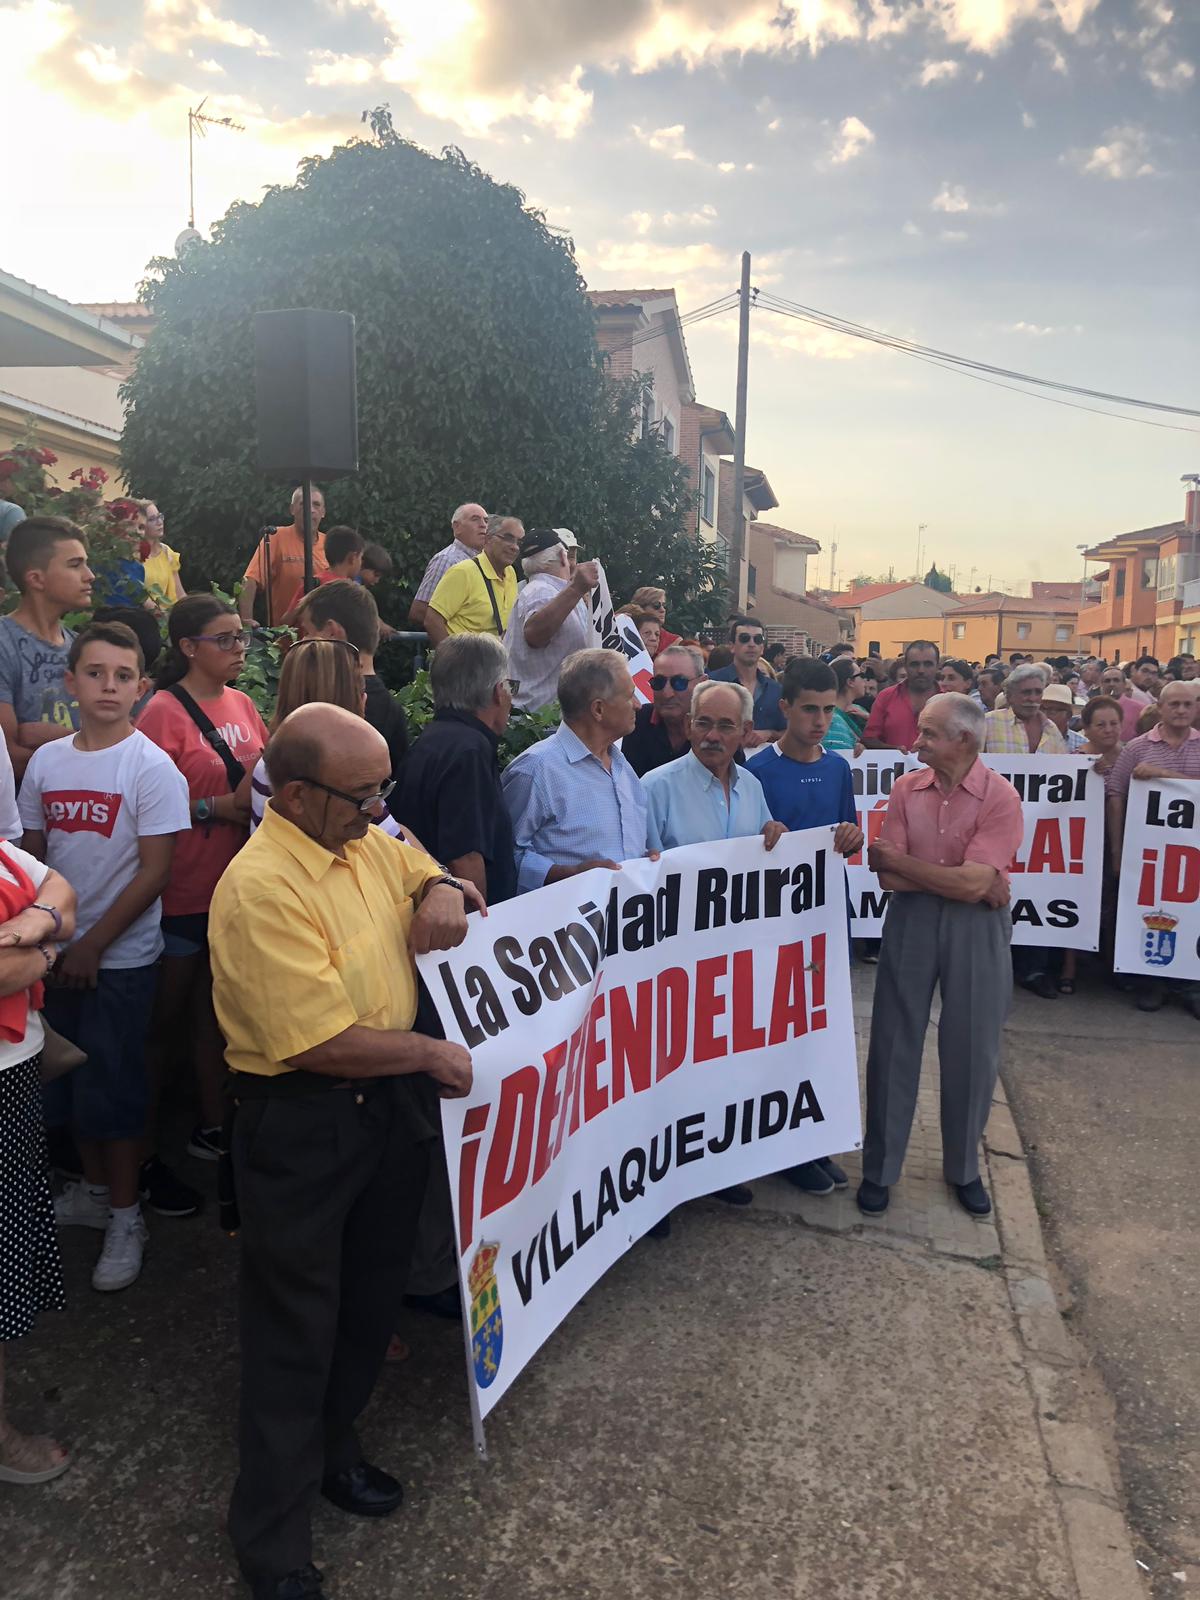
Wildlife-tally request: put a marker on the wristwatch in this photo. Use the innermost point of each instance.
(204, 809)
(451, 883)
(51, 911)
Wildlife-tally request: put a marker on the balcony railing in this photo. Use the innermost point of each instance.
(1191, 594)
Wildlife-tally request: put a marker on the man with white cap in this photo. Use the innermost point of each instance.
(551, 617)
(1058, 704)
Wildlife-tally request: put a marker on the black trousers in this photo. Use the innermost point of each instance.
(329, 1186)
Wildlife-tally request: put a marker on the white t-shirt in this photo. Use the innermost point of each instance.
(10, 817)
(93, 806)
(11, 1055)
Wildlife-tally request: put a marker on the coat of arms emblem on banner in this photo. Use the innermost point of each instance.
(1158, 947)
(487, 1325)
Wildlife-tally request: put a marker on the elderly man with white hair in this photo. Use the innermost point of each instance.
(551, 618)
(1022, 727)
(469, 525)
(948, 836)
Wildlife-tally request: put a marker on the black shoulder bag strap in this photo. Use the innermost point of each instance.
(234, 770)
(487, 583)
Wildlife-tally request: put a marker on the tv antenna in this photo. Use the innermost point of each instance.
(197, 120)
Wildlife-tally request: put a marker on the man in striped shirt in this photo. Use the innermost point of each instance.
(469, 525)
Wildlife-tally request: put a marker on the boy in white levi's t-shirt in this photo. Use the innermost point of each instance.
(104, 808)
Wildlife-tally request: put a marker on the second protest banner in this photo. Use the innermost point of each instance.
(639, 1038)
(1158, 906)
(1056, 874)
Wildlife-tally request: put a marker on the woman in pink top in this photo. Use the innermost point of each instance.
(208, 650)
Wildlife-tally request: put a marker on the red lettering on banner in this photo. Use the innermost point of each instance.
(81, 811)
(474, 1123)
(1046, 852)
(551, 1100)
(672, 1021)
(575, 1073)
(817, 968)
(789, 1013)
(707, 1007)
(745, 1035)
(871, 823)
(595, 1093)
(630, 1038)
(1181, 873)
(507, 1168)
(1146, 894)
(1077, 828)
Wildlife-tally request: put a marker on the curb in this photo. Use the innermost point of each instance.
(1097, 1539)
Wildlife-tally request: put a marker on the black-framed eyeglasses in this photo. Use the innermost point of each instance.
(345, 643)
(750, 638)
(157, 517)
(678, 682)
(223, 641)
(363, 803)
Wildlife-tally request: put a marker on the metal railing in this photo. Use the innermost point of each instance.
(1191, 593)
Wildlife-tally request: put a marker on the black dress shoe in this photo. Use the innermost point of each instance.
(364, 1491)
(973, 1197)
(1041, 984)
(445, 1303)
(303, 1584)
(872, 1198)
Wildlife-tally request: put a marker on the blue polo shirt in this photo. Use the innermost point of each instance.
(768, 713)
(805, 794)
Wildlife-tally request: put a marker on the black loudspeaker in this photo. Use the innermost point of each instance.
(306, 394)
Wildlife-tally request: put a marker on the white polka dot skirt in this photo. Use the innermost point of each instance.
(30, 1269)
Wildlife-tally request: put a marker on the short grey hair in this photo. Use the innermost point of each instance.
(1024, 674)
(689, 650)
(745, 698)
(458, 511)
(497, 520)
(465, 671)
(545, 560)
(587, 675)
(297, 493)
(963, 715)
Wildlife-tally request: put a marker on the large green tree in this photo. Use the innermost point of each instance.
(478, 374)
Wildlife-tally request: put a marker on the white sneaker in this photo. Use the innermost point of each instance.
(78, 1207)
(121, 1259)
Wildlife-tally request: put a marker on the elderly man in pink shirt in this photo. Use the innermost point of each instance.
(948, 837)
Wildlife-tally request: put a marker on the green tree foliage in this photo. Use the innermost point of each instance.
(937, 580)
(478, 375)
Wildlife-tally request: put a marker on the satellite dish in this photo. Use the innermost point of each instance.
(186, 241)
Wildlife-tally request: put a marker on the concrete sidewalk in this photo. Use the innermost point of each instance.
(785, 1401)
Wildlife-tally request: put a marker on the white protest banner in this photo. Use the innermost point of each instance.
(1158, 900)
(1055, 876)
(639, 1038)
(874, 772)
(612, 632)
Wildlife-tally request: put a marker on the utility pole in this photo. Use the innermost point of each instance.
(921, 526)
(833, 567)
(737, 550)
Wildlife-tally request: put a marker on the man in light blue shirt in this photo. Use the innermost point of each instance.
(704, 795)
(574, 800)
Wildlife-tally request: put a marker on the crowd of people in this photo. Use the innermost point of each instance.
(186, 887)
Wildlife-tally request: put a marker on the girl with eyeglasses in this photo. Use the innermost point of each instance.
(160, 563)
(193, 714)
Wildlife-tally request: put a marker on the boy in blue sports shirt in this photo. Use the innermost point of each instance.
(809, 787)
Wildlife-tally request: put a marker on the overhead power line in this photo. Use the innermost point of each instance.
(714, 308)
(856, 330)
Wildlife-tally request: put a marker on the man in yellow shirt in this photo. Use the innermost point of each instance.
(476, 596)
(312, 934)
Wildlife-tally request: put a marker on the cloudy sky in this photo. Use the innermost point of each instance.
(1006, 179)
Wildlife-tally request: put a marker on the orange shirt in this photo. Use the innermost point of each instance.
(287, 565)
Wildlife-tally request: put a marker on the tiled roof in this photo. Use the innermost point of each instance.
(801, 540)
(613, 299)
(869, 591)
(1155, 535)
(118, 310)
(986, 604)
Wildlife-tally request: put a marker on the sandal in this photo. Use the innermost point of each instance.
(31, 1458)
(1066, 986)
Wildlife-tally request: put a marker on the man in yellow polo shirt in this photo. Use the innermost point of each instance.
(312, 934)
(476, 596)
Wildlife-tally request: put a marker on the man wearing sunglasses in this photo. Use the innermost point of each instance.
(747, 639)
(313, 931)
(660, 729)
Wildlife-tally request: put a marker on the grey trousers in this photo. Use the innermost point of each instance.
(963, 949)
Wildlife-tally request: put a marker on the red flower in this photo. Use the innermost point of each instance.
(143, 549)
(78, 473)
(97, 475)
(9, 467)
(47, 457)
